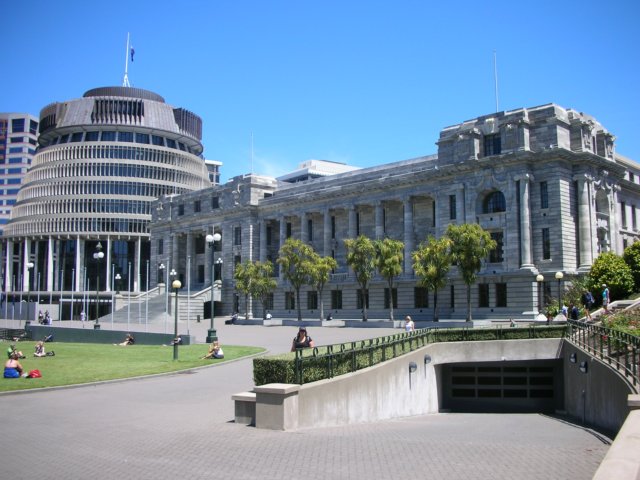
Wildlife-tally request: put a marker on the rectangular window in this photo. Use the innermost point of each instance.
(452, 207)
(394, 294)
(180, 209)
(452, 297)
(268, 303)
(160, 246)
(237, 235)
(336, 299)
(492, 145)
(15, 150)
(289, 300)
(65, 138)
(142, 138)
(359, 295)
(171, 143)
(157, 140)
(310, 229)
(496, 255)
(215, 203)
(269, 235)
(106, 137)
(312, 300)
(420, 297)
(91, 136)
(501, 294)
(288, 229)
(125, 136)
(546, 244)
(357, 224)
(17, 125)
(623, 212)
(333, 227)
(197, 206)
(544, 195)
(634, 220)
(17, 140)
(483, 295)
(199, 243)
(631, 177)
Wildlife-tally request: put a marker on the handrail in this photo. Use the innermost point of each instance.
(619, 350)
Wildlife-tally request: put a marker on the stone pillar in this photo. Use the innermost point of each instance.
(8, 270)
(352, 222)
(107, 257)
(584, 223)
(326, 233)
(78, 287)
(263, 240)
(304, 231)
(408, 235)
(136, 266)
(283, 230)
(50, 264)
(25, 270)
(460, 205)
(525, 222)
(277, 406)
(379, 220)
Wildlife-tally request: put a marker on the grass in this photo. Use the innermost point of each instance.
(77, 363)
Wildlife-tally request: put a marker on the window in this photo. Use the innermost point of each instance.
(496, 255)
(142, 138)
(215, 202)
(289, 300)
(269, 235)
(420, 297)
(544, 195)
(357, 224)
(268, 301)
(546, 244)
(288, 229)
(91, 136)
(125, 136)
(501, 294)
(452, 207)
(634, 221)
(359, 295)
(452, 297)
(494, 203)
(76, 137)
(336, 299)
(310, 229)
(237, 235)
(157, 140)
(492, 145)
(33, 127)
(623, 212)
(160, 246)
(17, 125)
(196, 206)
(15, 150)
(483, 295)
(17, 140)
(199, 244)
(312, 300)
(333, 227)
(631, 177)
(108, 136)
(180, 209)
(65, 138)
(171, 143)
(394, 294)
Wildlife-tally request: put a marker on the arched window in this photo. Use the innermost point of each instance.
(494, 202)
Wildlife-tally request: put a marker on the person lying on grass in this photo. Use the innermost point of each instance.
(129, 340)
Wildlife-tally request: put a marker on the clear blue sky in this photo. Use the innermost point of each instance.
(361, 82)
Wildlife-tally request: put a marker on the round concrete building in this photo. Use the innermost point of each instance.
(82, 216)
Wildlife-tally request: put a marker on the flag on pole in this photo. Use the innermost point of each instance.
(132, 53)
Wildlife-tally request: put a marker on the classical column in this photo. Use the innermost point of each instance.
(304, 231)
(50, 264)
(326, 233)
(352, 222)
(460, 205)
(379, 220)
(78, 287)
(263, 240)
(525, 221)
(408, 235)
(136, 266)
(8, 270)
(25, 269)
(283, 230)
(108, 266)
(584, 223)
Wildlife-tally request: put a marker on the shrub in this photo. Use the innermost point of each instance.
(611, 269)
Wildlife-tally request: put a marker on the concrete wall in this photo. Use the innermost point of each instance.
(388, 390)
(89, 335)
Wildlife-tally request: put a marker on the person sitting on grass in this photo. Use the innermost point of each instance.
(12, 349)
(215, 351)
(129, 340)
(40, 352)
(12, 368)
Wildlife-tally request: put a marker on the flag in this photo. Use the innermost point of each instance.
(132, 53)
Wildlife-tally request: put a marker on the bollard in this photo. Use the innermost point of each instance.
(198, 318)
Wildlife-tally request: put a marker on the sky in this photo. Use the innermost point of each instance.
(278, 82)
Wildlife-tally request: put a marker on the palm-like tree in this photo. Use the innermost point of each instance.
(320, 271)
(389, 256)
(297, 260)
(432, 262)
(361, 257)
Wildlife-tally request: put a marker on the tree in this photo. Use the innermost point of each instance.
(470, 244)
(320, 271)
(361, 257)
(296, 259)
(432, 262)
(631, 256)
(612, 270)
(244, 277)
(263, 283)
(389, 256)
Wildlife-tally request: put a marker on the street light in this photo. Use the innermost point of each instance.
(539, 279)
(97, 256)
(559, 276)
(161, 267)
(176, 284)
(211, 240)
(118, 277)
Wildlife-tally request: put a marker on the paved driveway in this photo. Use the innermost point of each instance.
(181, 426)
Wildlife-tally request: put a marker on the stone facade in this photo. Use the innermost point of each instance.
(544, 181)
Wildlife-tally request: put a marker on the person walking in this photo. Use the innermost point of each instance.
(606, 299)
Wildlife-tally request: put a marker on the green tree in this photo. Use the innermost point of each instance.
(320, 270)
(389, 256)
(244, 277)
(610, 269)
(470, 244)
(263, 283)
(361, 257)
(432, 262)
(296, 260)
(631, 256)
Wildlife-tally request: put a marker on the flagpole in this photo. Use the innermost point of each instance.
(125, 80)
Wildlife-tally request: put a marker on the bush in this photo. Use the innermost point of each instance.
(631, 256)
(611, 269)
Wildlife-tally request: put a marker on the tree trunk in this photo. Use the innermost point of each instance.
(321, 304)
(468, 303)
(299, 307)
(391, 300)
(364, 304)
(435, 306)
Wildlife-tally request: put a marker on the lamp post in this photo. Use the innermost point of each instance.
(539, 279)
(176, 284)
(97, 256)
(30, 266)
(559, 276)
(212, 335)
(161, 267)
(118, 277)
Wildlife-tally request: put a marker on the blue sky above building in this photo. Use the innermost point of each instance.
(360, 82)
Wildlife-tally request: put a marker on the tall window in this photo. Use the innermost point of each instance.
(452, 297)
(420, 297)
(160, 246)
(634, 220)
(623, 212)
(483, 295)
(269, 302)
(333, 227)
(312, 300)
(544, 195)
(492, 145)
(237, 235)
(394, 294)
(452, 207)
(288, 229)
(310, 229)
(494, 203)
(357, 224)
(359, 294)
(496, 255)
(181, 209)
(215, 203)
(546, 244)
(269, 234)
(336, 299)
(501, 294)
(289, 300)
(197, 206)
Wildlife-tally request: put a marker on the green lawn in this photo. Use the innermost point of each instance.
(76, 363)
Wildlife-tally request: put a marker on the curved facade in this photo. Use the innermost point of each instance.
(102, 160)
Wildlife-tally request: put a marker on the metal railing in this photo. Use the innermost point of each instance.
(619, 350)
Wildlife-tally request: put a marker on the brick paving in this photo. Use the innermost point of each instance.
(181, 426)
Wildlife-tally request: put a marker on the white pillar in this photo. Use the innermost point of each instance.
(304, 231)
(8, 271)
(525, 222)
(379, 220)
(136, 266)
(326, 233)
(108, 266)
(263, 240)
(79, 265)
(50, 264)
(408, 235)
(584, 223)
